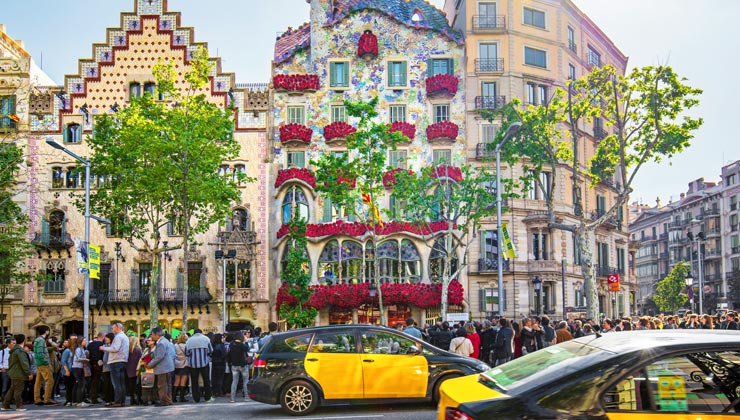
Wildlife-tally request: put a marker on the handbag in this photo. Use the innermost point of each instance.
(86, 369)
(147, 378)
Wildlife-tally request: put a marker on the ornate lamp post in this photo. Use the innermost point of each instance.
(119, 256)
(689, 286)
(537, 283)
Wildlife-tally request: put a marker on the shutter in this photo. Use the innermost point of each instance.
(332, 74)
(44, 231)
(403, 73)
(202, 276)
(134, 283)
(64, 230)
(430, 70)
(113, 274)
(180, 283)
(300, 160)
(327, 210)
(450, 66)
(482, 300)
(345, 66)
(65, 133)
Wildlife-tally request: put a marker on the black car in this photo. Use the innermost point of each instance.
(671, 374)
(351, 364)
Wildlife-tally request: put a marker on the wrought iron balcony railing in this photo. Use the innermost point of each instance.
(486, 265)
(484, 151)
(489, 23)
(141, 296)
(599, 133)
(489, 65)
(489, 102)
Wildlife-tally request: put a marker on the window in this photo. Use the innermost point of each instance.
(55, 277)
(296, 344)
(332, 212)
(104, 278)
(488, 56)
(116, 227)
(239, 275)
(295, 204)
(600, 204)
(489, 249)
(571, 72)
(535, 57)
(57, 177)
(134, 90)
(145, 276)
(339, 74)
(621, 260)
(240, 171)
(397, 113)
(194, 272)
(733, 222)
(296, 114)
(542, 90)
(488, 133)
(223, 170)
(442, 156)
(733, 203)
(437, 260)
(437, 66)
(73, 133)
(396, 74)
(338, 113)
(534, 17)
(296, 159)
(7, 112)
(441, 112)
(603, 254)
(571, 39)
(576, 250)
(536, 191)
(73, 178)
(284, 258)
(396, 207)
(594, 58)
(381, 342)
(540, 246)
(730, 180)
(531, 94)
(335, 341)
(174, 226)
(150, 88)
(397, 158)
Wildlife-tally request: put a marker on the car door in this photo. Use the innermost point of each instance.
(333, 361)
(390, 368)
(699, 385)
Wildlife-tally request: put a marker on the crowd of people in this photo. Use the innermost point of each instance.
(152, 369)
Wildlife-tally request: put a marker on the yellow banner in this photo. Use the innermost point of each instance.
(94, 261)
(509, 251)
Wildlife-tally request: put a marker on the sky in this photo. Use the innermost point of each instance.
(700, 40)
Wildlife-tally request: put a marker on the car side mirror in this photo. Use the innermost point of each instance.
(413, 350)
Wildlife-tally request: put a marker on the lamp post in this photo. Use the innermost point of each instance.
(698, 238)
(86, 285)
(510, 132)
(94, 304)
(119, 256)
(229, 299)
(689, 285)
(537, 283)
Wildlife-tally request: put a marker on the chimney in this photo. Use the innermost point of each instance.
(657, 202)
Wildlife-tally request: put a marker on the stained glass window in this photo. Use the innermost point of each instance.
(295, 203)
(437, 260)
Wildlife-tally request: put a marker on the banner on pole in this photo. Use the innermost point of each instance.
(613, 281)
(94, 261)
(509, 252)
(81, 253)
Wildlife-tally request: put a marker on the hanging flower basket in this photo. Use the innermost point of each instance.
(407, 129)
(337, 131)
(296, 82)
(301, 174)
(445, 171)
(295, 132)
(367, 47)
(441, 131)
(445, 84)
(389, 178)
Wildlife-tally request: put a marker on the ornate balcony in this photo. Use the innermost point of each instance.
(489, 65)
(604, 271)
(442, 131)
(489, 102)
(484, 151)
(487, 23)
(295, 132)
(141, 296)
(44, 241)
(610, 221)
(599, 133)
(442, 84)
(490, 265)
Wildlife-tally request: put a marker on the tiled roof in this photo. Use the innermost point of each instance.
(291, 41)
(402, 11)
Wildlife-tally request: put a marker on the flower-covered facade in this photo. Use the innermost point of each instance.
(360, 50)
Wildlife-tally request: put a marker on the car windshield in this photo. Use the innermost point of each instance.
(562, 358)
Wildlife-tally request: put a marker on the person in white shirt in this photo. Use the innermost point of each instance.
(461, 344)
(117, 360)
(4, 356)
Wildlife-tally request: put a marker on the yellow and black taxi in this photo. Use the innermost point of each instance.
(639, 375)
(351, 364)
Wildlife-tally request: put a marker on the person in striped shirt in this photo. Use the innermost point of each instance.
(198, 348)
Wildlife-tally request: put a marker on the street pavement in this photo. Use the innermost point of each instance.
(223, 409)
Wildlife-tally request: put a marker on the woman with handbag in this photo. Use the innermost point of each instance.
(77, 372)
(528, 339)
(182, 373)
(133, 388)
(148, 391)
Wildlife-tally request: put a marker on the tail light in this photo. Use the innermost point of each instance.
(455, 414)
(259, 363)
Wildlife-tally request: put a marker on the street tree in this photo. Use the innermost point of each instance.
(670, 293)
(733, 286)
(160, 161)
(353, 181)
(647, 111)
(296, 274)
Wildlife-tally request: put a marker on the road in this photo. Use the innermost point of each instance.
(222, 409)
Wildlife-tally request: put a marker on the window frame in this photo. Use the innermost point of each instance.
(333, 84)
(533, 23)
(535, 50)
(439, 117)
(292, 109)
(391, 76)
(433, 61)
(8, 107)
(391, 117)
(338, 113)
(295, 153)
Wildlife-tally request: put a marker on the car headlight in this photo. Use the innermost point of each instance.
(482, 367)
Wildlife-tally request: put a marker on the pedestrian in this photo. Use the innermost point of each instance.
(163, 363)
(461, 344)
(706, 322)
(69, 379)
(487, 338)
(474, 338)
(18, 372)
(198, 348)
(502, 345)
(442, 336)
(272, 328)
(133, 387)
(107, 383)
(148, 394)
(181, 369)
(117, 358)
(4, 362)
(562, 334)
(237, 359)
(218, 364)
(516, 340)
(28, 389)
(548, 332)
(96, 369)
(55, 349)
(411, 328)
(79, 357)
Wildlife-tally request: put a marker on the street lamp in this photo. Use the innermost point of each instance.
(689, 286)
(699, 237)
(119, 256)
(94, 304)
(537, 283)
(510, 132)
(165, 257)
(223, 257)
(229, 299)
(86, 285)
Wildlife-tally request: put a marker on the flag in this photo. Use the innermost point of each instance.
(613, 281)
(366, 199)
(81, 252)
(94, 261)
(509, 252)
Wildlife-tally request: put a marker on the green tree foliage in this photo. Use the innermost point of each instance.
(646, 111)
(733, 289)
(296, 273)
(670, 293)
(161, 161)
(348, 177)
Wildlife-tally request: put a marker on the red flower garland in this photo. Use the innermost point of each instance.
(389, 178)
(295, 131)
(340, 227)
(302, 174)
(442, 130)
(347, 296)
(407, 129)
(296, 82)
(338, 129)
(368, 45)
(451, 172)
(440, 83)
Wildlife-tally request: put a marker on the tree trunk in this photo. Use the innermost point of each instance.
(2, 314)
(186, 240)
(153, 287)
(447, 269)
(376, 270)
(589, 278)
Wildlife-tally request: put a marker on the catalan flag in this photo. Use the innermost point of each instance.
(367, 200)
(15, 118)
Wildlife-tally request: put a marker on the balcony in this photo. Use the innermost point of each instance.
(647, 238)
(141, 296)
(490, 265)
(710, 212)
(486, 23)
(663, 236)
(736, 249)
(610, 221)
(572, 46)
(712, 277)
(489, 102)
(712, 232)
(485, 151)
(48, 242)
(599, 133)
(489, 65)
(711, 254)
(663, 255)
(604, 271)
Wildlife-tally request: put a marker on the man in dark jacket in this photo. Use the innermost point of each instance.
(487, 337)
(442, 337)
(502, 344)
(19, 371)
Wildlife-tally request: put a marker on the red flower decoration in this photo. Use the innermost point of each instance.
(295, 131)
(407, 129)
(302, 174)
(442, 83)
(368, 45)
(338, 129)
(340, 227)
(296, 82)
(442, 130)
(451, 172)
(389, 178)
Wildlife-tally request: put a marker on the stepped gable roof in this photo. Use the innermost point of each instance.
(292, 41)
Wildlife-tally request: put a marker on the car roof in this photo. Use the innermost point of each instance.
(629, 341)
(331, 327)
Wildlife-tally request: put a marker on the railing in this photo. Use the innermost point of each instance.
(663, 236)
(712, 253)
(611, 220)
(491, 264)
(485, 23)
(484, 150)
(604, 271)
(489, 102)
(663, 255)
(54, 286)
(53, 242)
(712, 232)
(736, 249)
(648, 238)
(710, 212)
(599, 133)
(489, 65)
(593, 59)
(572, 46)
(7, 123)
(195, 296)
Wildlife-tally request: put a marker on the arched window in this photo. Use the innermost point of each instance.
(239, 171)
(57, 226)
(240, 220)
(284, 258)
(134, 90)
(351, 261)
(57, 177)
(329, 262)
(73, 133)
(369, 263)
(388, 260)
(73, 178)
(437, 260)
(410, 262)
(417, 16)
(295, 204)
(443, 208)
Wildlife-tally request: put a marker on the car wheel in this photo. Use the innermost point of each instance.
(435, 393)
(299, 398)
